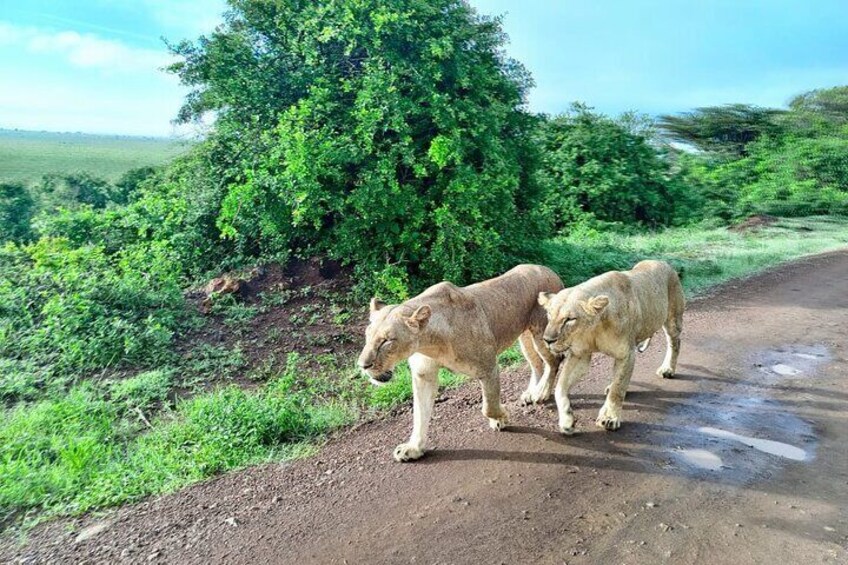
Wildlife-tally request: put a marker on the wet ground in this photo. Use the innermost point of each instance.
(741, 459)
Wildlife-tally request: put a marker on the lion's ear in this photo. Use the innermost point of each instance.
(377, 304)
(596, 304)
(545, 298)
(419, 318)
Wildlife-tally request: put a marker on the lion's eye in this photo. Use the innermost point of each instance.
(570, 321)
(388, 342)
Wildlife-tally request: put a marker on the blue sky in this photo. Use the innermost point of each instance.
(92, 65)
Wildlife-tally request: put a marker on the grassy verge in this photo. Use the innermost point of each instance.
(708, 256)
(98, 443)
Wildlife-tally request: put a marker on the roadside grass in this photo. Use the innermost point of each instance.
(86, 444)
(93, 447)
(26, 156)
(707, 256)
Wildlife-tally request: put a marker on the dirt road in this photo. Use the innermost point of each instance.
(741, 459)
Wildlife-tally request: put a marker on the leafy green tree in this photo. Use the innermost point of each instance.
(16, 210)
(128, 186)
(606, 169)
(69, 191)
(388, 134)
(724, 129)
(830, 103)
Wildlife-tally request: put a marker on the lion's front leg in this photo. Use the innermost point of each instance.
(609, 417)
(490, 382)
(570, 372)
(425, 386)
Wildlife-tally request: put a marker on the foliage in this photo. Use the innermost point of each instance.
(16, 211)
(707, 255)
(397, 123)
(826, 104)
(724, 129)
(78, 309)
(596, 167)
(795, 165)
(77, 189)
(84, 451)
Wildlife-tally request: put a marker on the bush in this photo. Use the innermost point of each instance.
(388, 135)
(78, 309)
(595, 167)
(16, 210)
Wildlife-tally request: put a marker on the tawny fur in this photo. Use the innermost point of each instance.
(463, 329)
(614, 313)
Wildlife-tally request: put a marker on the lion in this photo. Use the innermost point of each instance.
(616, 313)
(462, 329)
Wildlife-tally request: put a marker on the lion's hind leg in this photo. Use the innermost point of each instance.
(673, 328)
(547, 383)
(537, 366)
(490, 382)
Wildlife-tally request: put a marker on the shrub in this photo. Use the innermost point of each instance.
(78, 309)
(596, 167)
(388, 135)
(16, 210)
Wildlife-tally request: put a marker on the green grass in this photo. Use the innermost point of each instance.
(707, 256)
(92, 448)
(26, 156)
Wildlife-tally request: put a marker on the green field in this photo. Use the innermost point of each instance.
(26, 156)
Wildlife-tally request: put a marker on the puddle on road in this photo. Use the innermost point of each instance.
(785, 370)
(793, 361)
(702, 459)
(722, 435)
(808, 356)
(765, 445)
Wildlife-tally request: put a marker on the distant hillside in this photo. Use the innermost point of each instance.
(28, 155)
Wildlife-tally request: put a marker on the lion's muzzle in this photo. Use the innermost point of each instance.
(382, 378)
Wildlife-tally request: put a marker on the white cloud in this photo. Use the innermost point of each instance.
(85, 50)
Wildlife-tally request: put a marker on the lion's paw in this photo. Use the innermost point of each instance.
(566, 423)
(499, 423)
(407, 452)
(608, 423)
(665, 372)
(567, 430)
(527, 397)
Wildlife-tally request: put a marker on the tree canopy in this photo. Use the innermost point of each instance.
(387, 134)
(728, 129)
(595, 165)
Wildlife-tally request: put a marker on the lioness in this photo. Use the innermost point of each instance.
(463, 329)
(615, 313)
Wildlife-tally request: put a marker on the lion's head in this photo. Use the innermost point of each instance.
(572, 317)
(392, 335)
